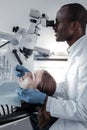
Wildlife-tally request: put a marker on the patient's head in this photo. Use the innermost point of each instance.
(40, 79)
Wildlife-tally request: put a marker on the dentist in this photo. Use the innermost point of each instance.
(70, 96)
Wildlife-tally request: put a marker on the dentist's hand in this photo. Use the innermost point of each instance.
(31, 95)
(20, 70)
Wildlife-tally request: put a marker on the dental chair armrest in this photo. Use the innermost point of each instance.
(13, 117)
(21, 112)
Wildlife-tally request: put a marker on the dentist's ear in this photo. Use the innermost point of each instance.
(75, 25)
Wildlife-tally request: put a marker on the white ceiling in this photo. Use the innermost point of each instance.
(16, 12)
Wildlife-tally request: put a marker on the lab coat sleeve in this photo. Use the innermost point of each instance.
(75, 109)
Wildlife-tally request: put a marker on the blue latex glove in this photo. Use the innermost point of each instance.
(31, 95)
(20, 70)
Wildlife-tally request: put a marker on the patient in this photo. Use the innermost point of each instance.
(42, 81)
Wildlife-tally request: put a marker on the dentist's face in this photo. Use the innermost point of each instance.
(63, 28)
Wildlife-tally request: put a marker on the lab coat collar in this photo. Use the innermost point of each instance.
(73, 48)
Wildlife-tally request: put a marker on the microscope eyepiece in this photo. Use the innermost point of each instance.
(50, 23)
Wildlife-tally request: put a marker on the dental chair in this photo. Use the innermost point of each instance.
(18, 118)
(11, 117)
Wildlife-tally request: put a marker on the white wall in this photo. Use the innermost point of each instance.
(16, 12)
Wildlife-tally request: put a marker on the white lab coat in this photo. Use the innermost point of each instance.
(69, 102)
